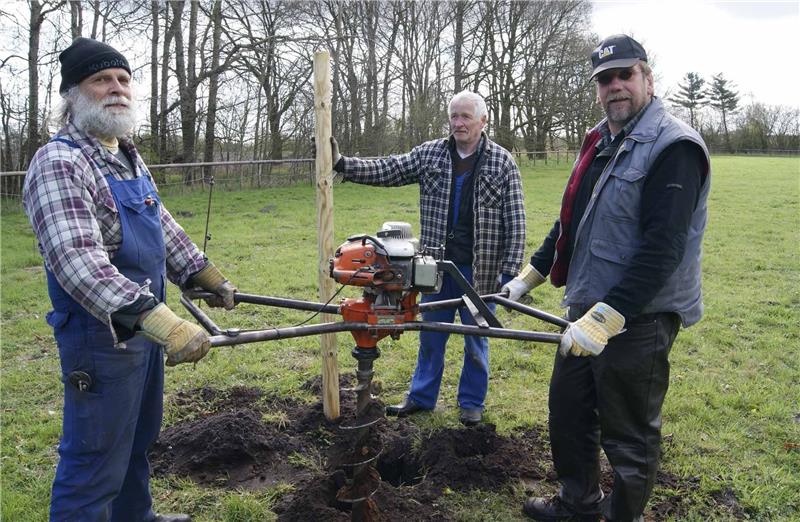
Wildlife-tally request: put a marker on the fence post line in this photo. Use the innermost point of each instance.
(324, 177)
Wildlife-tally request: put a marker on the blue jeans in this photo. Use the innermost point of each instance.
(427, 377)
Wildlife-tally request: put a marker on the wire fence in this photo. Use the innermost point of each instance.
(187, 177)
(249, 174)
(253, 174)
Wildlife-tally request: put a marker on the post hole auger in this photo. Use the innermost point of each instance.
(392, 271)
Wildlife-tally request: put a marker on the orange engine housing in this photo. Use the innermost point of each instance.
(358, 263)
(364, 310)
(384, 266)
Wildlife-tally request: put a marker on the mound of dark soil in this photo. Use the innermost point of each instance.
(479, 458)
(242, 438)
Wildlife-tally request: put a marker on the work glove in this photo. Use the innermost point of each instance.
(525, 281)
(503, 279)
(335, 156)
(590, 334)
(211, 279)
(182, 340)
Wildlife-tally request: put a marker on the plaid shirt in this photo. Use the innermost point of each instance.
(499, 236)
(76, 221)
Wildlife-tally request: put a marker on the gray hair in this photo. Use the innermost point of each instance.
(477, 100)
(63, 112)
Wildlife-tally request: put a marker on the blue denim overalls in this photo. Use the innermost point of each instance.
(427, 377)
(103, 473)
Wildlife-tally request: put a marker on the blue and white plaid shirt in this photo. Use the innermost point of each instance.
(499, 236)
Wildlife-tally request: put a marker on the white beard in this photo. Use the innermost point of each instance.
(95, 118)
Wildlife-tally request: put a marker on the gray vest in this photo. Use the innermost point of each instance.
(609, 233)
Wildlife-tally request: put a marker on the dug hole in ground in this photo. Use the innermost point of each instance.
(241, 438)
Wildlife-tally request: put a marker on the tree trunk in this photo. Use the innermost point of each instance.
(727, 134)
(154, 80)
(276, 140)
(95, 17)
(6, 160)
(162, 99)
(257, 131)
(36, 19)
(211, 117)
(185, 76)
(76, 18)
(460, 7)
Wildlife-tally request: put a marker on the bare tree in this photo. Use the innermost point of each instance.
(274, 56)
(76, 18)
(38, 13)
(6, 157)
(155, 35)
(231, 79)
(211, 115)
(163, 112)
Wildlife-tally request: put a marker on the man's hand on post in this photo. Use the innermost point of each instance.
(526, 281)
(589, 335)
(211, 279)
(183, 341)
(335, 156)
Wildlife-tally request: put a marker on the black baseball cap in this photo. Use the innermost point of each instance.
(619, 51)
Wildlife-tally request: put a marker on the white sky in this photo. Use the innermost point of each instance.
(755, 44)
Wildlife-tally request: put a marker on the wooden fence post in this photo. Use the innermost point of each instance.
(324, 177)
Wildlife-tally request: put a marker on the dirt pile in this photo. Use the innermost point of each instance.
(242, 438)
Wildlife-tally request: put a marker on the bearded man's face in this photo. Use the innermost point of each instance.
(103, 105)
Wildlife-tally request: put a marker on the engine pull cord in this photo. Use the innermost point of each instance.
(362, 269)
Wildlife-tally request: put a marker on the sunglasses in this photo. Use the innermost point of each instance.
(607, 77)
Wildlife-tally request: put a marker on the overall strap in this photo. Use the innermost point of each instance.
(67, 142)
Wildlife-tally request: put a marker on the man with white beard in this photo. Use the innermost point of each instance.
(109, 246)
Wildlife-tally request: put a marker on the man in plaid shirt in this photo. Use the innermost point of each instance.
(109, 246)
(471, 203)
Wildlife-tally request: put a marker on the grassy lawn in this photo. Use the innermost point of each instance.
(731, 418)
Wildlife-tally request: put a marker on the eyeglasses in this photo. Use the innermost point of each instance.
(608, 77)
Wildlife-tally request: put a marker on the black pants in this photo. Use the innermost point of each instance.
(613, 400)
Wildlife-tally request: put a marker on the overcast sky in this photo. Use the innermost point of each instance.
(755, 44)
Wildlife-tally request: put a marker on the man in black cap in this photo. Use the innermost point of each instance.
(627, 247)
(109, 246)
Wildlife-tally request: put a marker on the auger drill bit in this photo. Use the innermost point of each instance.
(362, 479)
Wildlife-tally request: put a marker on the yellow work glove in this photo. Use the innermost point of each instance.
(525, 281)
(182, 340)
(211, 279)
(590, 334)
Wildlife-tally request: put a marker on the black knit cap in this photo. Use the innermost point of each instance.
(84, 58)
(619, 51)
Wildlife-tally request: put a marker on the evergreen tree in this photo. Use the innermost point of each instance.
(691, 96)
(725, 100)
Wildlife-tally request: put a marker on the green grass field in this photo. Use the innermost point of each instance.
(731, 418)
